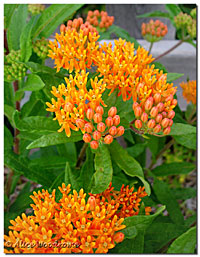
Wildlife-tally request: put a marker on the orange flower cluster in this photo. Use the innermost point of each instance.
(121, 68)
(100, 19)
(154, 30)
(73, 225)
(74, 100)
(189, 91)
(103, 132)
(78, 24)
(153, 104)
(74, 50)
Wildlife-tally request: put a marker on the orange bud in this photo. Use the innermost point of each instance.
(108, 139)
(169, 98)
(170, 122)
(116, 120)
(154, 111)
(148, 104)
(157, 98)
(113, 130)
(62, 28)
(144, 117)
(153, 32)
(157, 23)
(166, 131)
(160, 107)
(120, 131)
(97, 118)
(80, 20)
(94, 144)
(69, 23)
(112, 112)
(109, 121)
(87, 138)
(80, 123)
(99, 109)
(96, 135)
(171, 114)
(157, 129)
(89, 113)
(88, 127)
(174, 102)
(101, 127)
(138, 124)
(68, 107)
(151, 123)
(96, 12)
(164, 114)
(159, 118)
(165, 122)
(163, 33)
(138, 111)
(135, 104)
(92, 202)
(118, 237)
(90, 13)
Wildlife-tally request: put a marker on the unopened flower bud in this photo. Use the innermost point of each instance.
(170, 122)
(165, 122)
(174, 102)
(97, 118)
(151, 123)
(113, 130)
(80, 123)
(159, 118)
(96, 135)
(169, 98)
(120, 131)
(118, 237)
(90, 113)
(112, 112)
(108, 139)
(157, 129)
(138, 124)
(116, 120)
(92, 202)
(94, 144)
(88, 127)
(135, 104)
(164, 114)
(87, 138)
(166, 131)
(171, 114)
(148, 104)
(154, 111)
(62, 28)
(138, 111)
(99, 109)
(101, 127)
(109, 121)
(144, 117)
(160, 107)
(157, 98)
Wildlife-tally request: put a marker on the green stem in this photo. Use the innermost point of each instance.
(81, 155)
(151, 45)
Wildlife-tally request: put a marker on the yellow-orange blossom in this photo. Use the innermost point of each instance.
(81, 226)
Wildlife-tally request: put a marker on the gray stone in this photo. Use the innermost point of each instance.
(126, 17)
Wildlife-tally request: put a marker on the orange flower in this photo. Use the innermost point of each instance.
(73, 50)
(189, 91)
(70, 225)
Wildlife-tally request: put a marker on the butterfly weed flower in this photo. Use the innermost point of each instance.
(189, 91)
(73, 224)
(154, 31)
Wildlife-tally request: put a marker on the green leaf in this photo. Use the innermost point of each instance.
(33, 83)
(103, 170)
(184, 193)
(52, 17)
(122, 33)
(165, 196)
(140, 223)
(71, 177)
(35, 123)
(137, 149)
(49, 162)
(188, 141)
(155, 144)
(21, 166)
(190, 111)
(68, 150)
(16, 26)
(9, 94)
(175, 168)
(185, 243)
(9, 9)
(173, 76)
(54, 139)
(25, 40)
(160, 66)
(182, 129)
(173, 9)
(127, 163)
(8, 139)
(154, 14)
(87, 171)
(8, 112)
